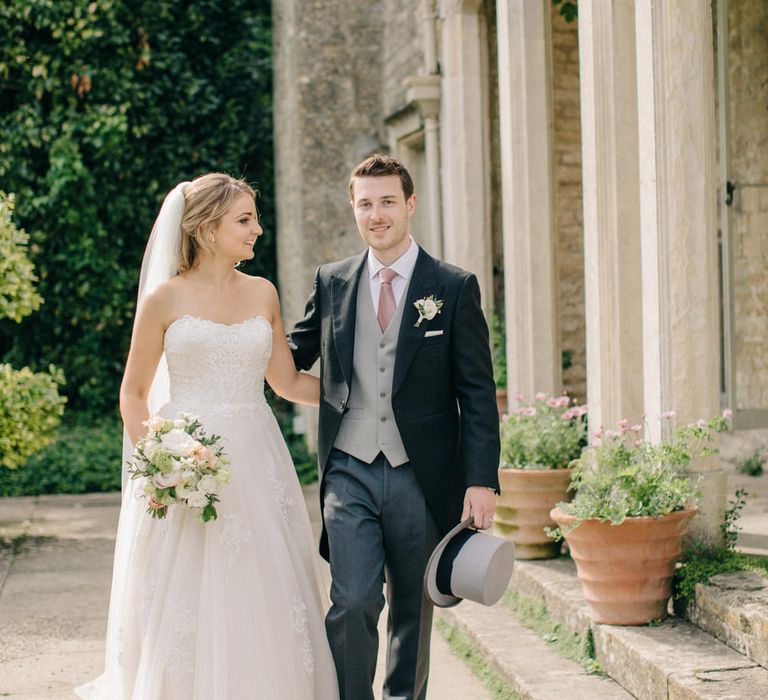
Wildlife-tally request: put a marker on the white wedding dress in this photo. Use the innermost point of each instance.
(231, 609)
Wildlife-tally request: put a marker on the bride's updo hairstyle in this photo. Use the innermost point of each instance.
(206, 199)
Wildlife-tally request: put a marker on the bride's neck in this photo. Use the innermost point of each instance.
(214, 273)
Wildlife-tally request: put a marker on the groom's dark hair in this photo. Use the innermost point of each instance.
(379, 165)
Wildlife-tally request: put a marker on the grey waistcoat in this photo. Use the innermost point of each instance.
(369, 427)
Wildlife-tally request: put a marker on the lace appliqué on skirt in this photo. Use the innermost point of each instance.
(298, 615)
(283, 499)
(233, 536)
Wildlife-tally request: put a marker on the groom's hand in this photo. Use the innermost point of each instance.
(480, 503)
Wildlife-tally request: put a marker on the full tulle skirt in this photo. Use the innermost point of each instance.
(227, 610)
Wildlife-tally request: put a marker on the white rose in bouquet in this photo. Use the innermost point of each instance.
(177, 442)
(197, 500)
(207, 484)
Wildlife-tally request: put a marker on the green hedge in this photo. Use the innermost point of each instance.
(104, 106)
(84, 457)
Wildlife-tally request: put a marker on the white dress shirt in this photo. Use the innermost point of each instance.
(403, 266)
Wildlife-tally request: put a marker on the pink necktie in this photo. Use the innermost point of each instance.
(386, 298)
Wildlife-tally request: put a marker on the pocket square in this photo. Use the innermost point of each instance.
(429, 334)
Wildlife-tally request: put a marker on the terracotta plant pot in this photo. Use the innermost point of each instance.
(522, 509)
(626, 570)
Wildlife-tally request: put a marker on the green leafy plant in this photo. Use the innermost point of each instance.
(18, 297)
(754, 465)
(569, 9)
(624, 475)
(30, 405)
(30, 410)
(548, 433)
(498, 350)
(730, 526)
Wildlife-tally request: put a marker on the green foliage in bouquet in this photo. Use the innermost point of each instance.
(623, 475)
(548, 433)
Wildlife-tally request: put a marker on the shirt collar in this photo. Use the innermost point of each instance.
(403, 266)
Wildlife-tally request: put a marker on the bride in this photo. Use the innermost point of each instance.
(231, 609)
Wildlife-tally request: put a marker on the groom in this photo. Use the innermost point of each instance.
(408, 439)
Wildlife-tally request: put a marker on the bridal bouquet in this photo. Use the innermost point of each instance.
(180, 465)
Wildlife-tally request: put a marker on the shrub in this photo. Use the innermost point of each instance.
(30, 409)
(754, 464)
(18, 297)
(84, 457)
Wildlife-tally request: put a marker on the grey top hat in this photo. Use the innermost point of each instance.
(468, 564)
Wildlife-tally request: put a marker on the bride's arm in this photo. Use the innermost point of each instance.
(143, 357)
(281, 372)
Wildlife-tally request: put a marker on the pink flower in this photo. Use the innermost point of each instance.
(568, 415)
(668, 414)
(518, 396)
(727, 413)
(595, 442)
(553, 403)
(623, 423)
(636, 428)
(528, 411)
(582, 410)
(540, 396)
(701, 423)
(611, 434)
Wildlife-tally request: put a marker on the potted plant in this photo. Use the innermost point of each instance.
(632, 507)
(539, 440)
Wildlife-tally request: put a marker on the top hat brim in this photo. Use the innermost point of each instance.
(433, 593)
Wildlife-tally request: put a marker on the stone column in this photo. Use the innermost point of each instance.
(465, 153)
(611, 212)
(525, 117)
(678, 225)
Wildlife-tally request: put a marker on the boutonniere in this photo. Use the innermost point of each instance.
(428, 308)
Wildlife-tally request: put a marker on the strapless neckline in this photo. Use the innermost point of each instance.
(252, 319)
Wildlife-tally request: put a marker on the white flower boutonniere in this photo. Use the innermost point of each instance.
(428, 308)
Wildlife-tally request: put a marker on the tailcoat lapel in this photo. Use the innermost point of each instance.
(423, 284)
(344, 287)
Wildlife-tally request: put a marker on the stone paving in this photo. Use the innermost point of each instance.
(54, 594)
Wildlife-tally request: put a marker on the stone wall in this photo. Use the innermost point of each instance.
(748, 76)
(402, 51)
(568, 214)
(328, 116)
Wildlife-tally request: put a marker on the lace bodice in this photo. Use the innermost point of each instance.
(218, 368)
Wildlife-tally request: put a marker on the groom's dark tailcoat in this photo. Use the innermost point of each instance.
(443, 394)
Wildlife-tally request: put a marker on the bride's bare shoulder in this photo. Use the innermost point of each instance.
(161, 304)
(258, 285)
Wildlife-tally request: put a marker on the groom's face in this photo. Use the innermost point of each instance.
(382, 214)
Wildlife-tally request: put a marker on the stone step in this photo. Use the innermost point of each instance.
(734, 608)
(524, 660)
(674, 660)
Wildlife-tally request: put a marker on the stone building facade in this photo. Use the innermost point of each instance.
(582, 170)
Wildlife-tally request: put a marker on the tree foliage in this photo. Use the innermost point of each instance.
(104, 106)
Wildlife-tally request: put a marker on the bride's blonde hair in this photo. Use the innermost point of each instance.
(206, 199)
